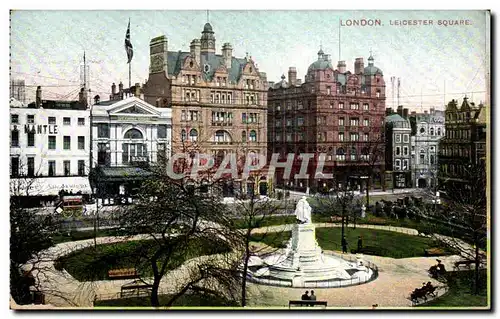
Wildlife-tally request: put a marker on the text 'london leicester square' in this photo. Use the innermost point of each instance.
(218, 160)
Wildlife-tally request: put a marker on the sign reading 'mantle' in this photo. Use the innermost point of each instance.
(41, 129)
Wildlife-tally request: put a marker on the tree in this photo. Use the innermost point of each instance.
(176, 215)
(252, 214)
(464, 213)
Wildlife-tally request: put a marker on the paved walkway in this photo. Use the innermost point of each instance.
(397, 278)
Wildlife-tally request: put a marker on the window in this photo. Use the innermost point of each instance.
(439, 131)
(354, 121)
(81, 121)
(81, 168)
(432, 131)
(222, 136)
(405, 150)
(340, 154)
(14, 166)
(341, 121)
(31, 139)
(52, 120)
(300, 121)
(422, 157)
(243, 136)
(103, 130)
(288, 122)
(14, 119)
(161, 155)
(422, 130)
(289, 137)
(378, 93)
(183, 115)
(133, 134)
(341, 105)
(31, 119)
(405, 164)
(103, 156)
(278, 137)
(162, 131)
(52, 142)
(253, 136)
(365, 137)
(341, 137)
(354, 137)
(81, 142)
(398, 150)
(183, 135)
(67, 142)
(66, 120)
(354, 106)
(353, 154)
(31, 166)
(397, 165)
(193, 135)
(366, 106)
(52, 168)
(300, 106)
(329, 90)
(398, 138)
(366, 122)
(134, 152)
(432, 159)
(406, 138)
(67, 168)
(14, 138)
(300, 137)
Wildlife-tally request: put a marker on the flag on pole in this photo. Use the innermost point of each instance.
(128, 45)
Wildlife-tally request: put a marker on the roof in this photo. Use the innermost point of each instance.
(126, 172)
(175, 60)
(372, 70)
(320, 64)
(395, 118)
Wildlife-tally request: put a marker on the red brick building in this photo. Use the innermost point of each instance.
(336, 112)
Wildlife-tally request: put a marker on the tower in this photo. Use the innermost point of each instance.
(207, 39)
(158, 51)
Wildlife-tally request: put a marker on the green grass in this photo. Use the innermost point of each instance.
(378, 242)
(90, 264)
(460, 291)
(270, 221)
(81, 235)
(183, 301)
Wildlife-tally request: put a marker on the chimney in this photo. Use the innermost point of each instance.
(400, 110)
(227, 54)
(97, 99)
(158, 51)
(195, 48)
(299, 81)
(39, 96)
(388, 111)
(292, 75)
(413, 113)
(432, 110)
(120, 90)
(113, 89)
(341, 66)
(359, 66)
(81, 98)
(137, 91)
(405, 113)
(425, 112)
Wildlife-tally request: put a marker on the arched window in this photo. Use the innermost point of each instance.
(432, 131)
(133, 133)
(253, 136)
(432, 159)
(222, 136)
(183, 135)
(422, 156)
(340, 154)
(243, 136)
(439, 131)
(193, 135)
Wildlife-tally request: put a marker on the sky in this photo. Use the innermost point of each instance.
(430, 60)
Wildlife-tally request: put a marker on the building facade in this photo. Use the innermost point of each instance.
(428, 128)
(128, 137)
(464, 143)
(398, 155)
(336, 112)
(49, 148)
(218, 101)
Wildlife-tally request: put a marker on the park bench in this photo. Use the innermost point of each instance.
(123, 273)
(434, 252)
(311, 303)
(465, 263)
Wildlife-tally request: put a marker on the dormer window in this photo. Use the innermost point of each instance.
(191, 64)
(250, 70)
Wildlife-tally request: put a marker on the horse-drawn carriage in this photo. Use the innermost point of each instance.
(427, 290)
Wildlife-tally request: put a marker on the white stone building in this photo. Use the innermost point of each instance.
(428, 129)
(127, 136)
(49, 149)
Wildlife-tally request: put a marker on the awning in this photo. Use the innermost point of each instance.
(49, 186)
(127, 173)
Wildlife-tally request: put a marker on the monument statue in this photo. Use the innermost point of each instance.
(303, 211)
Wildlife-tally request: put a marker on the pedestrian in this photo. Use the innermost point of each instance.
(312, 296)
(344, 245)
(360, 244)
(305, 296)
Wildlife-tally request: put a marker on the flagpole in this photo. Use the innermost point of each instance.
(129, 70)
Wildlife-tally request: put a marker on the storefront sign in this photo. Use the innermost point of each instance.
(41, 129)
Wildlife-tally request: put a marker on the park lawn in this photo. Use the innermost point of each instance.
(186, 300)
(459, 293)
(270, 221)
(379, 242)
(89, 264)
(84, 234)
